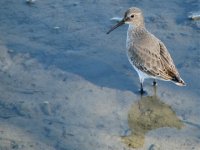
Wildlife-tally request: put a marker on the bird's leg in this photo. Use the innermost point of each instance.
(142, 92)
(154, 82)
(141, 88)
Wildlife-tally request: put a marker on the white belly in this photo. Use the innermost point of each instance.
(141, 74)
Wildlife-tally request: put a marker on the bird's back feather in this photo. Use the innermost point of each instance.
(150, 55)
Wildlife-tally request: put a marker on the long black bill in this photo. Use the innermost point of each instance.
(117, 25)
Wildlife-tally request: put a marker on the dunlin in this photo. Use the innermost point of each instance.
(146, 53)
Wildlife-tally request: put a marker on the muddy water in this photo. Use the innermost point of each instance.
(66, 85)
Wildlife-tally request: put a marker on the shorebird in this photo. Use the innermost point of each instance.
(146, 53)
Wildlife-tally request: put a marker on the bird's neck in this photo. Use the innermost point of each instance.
(138, 26)
(133, 34)
(134, 30)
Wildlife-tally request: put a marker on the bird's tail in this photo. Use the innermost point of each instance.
(178, 81)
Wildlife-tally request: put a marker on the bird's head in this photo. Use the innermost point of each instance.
(133, 16)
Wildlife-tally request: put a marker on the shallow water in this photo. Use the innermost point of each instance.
(147, 114)
(66, 85)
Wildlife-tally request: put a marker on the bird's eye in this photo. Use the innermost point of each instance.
(132, 16)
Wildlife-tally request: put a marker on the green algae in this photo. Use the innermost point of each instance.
(149, 113)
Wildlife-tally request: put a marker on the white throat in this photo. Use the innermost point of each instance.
(131, 26)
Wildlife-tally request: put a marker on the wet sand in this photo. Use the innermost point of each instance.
(66, 85)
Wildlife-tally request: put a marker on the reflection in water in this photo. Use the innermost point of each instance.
(147, 114)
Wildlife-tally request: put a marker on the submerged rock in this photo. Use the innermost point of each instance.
(30, 1)
(194, 15)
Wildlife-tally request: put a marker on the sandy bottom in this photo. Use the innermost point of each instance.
(66, 85)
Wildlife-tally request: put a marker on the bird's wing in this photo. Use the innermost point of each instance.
(144, 60)
(153, 60)
(167, 62)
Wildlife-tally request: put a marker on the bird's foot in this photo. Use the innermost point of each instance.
(155, 83)
(142, 92)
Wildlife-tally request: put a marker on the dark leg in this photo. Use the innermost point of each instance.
(142, 92)
(154, 82)
(141, 88)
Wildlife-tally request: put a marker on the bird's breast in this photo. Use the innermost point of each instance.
(141, 39)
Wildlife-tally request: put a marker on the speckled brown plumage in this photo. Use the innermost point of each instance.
(147, 54)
